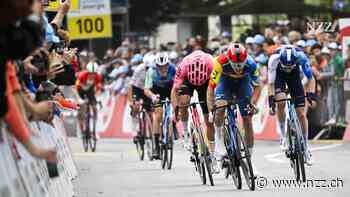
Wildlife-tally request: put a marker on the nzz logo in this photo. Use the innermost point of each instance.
(319, 26)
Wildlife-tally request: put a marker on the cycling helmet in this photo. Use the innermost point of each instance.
(162, 59)
(259, 39)
(288, 57)
(148, 59)
(237, 55)
(92, 67)
(198, 68)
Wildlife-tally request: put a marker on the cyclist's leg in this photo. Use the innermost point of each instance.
(137, 95)
(296, 90)
(222, 94)
(280, 88)
(93, 104)
(82, 111)
(245, 91)
(202, 97)
(157, 119)
(184, 97)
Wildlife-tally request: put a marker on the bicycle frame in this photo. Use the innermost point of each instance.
(293, 117)
(232, 114)
(167, 113)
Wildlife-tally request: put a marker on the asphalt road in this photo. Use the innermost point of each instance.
(115, 171)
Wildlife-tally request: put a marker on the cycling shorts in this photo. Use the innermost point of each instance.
(240, 88)
(294, 83)
(187, 89)
(139, 94)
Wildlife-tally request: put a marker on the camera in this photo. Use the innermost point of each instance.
(41, 62)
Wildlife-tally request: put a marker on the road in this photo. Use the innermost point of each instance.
(115, 171)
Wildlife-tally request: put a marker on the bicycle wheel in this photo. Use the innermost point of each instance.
(93, 140)
(169, 146)
(164, 155)
(86, 134)
(245, 160)
(301, 161)
(291, 154)
(232, 162)
(148, 136)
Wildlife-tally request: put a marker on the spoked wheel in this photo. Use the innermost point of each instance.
(85, 138)
(140, 148)
(207, 162)
(170, 145)
(163, 155)
(205, 157)
(291, 152)
(148, 138)
(300, 159)
(232, 163)
(197, 159)
(170, 150)
(86, 135)
(92, 138)
(235, 173)
(243, 156)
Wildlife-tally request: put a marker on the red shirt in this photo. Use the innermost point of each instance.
(82, 81)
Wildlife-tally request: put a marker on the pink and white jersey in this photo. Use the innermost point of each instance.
(194, 68)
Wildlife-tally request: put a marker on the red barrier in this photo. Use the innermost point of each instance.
(346, 136)
(115, 127)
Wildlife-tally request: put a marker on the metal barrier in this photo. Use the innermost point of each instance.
(22, 175)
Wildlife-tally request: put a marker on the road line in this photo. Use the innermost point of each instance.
(273, 157)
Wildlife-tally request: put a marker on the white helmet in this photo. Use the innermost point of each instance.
(148, 58)
(173, 55)
(92, 67)
(162, 58)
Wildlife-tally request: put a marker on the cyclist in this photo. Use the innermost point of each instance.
(158, 84)
(88, 83)
(235, 73)
(136, 90)
(284, 68)
(193, 73)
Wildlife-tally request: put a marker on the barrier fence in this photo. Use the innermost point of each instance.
(22, 175)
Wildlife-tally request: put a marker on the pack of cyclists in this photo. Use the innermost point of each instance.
(233, 74)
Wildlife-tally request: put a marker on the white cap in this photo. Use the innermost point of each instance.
(301, 43)
(325, 50)
(333, 45)
(249, 40)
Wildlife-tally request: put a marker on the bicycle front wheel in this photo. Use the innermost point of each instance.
(245, 160)
(93, 140)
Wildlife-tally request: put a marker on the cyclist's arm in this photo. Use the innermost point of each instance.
(178, 81)
(149, 83)
(306, 67)
(130, 95)
(214, 80)
(255, 76)
(271, 73)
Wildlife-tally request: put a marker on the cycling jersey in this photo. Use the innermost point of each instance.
(222, 67)
(85, 84)
(139, 76)
(154, 79)
(158, 84)
(291, 78)
(183, 70)
(303, 64)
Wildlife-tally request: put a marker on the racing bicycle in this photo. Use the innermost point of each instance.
(295, 140)
(89, 135)
(238, 156)
(199, 150)
(143, 140)
(167, 137)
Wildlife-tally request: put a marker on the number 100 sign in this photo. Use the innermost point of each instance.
(89, 27)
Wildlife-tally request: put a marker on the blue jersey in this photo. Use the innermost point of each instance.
(153, 78)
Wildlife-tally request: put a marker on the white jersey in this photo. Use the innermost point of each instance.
(139, 76)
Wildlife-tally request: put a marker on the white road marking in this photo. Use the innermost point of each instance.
(274, 156)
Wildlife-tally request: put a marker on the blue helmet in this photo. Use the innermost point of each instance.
(288, 57)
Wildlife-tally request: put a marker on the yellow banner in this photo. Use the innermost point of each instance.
(89, 27)
(55, 5)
